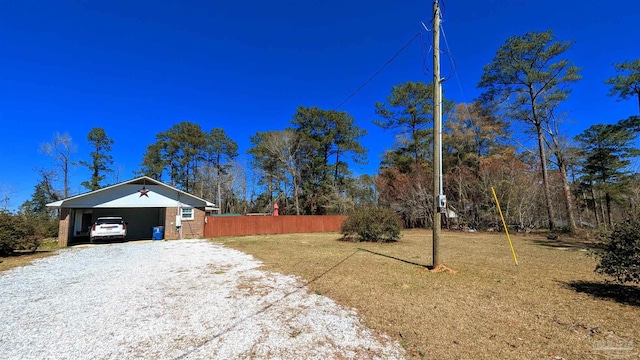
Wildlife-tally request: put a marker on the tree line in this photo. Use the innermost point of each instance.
(562, 183)
(305, 167)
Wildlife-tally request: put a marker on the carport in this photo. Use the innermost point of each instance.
(140, 221)
(143, 203)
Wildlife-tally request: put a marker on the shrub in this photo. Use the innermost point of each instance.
(46, 226)
(620, 257)
(371, 223)
(7, 233)
(23, 232)
(28, 232)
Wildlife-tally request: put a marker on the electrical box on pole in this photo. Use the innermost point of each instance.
(442, 202)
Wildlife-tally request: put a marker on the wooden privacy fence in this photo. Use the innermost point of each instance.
(219, 226)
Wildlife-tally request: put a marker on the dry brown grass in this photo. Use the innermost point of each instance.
(22, 259)
(552, 306)
(47, 248)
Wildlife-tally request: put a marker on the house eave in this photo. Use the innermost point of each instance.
(144, 179)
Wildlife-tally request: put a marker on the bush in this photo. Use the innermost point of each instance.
(6, 233)
(23, 232)
(47, 226)
(620, 257)
(372, 223)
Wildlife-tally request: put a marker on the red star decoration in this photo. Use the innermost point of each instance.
(144, 192)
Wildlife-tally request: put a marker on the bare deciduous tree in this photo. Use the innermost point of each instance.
(6, 192)
(60, 149)
(285, 146)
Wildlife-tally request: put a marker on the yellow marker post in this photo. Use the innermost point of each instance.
(506, 231)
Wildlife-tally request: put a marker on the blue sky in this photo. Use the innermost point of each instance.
(136, 68)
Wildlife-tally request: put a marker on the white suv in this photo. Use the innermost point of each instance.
(110, 227)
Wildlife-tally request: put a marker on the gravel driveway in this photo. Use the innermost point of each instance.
(188, 299)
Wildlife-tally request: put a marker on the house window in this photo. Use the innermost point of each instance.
(187, 213)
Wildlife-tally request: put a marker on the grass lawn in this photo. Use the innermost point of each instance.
(47, 248)
(553, 306)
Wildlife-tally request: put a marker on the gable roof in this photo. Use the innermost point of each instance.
(126, 194)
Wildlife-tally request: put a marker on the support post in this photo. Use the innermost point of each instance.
(437, 137)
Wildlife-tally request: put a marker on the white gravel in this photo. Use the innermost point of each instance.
(187, 299)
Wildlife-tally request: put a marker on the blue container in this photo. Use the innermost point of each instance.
(158, 232)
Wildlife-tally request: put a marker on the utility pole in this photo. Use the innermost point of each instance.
(439, 201)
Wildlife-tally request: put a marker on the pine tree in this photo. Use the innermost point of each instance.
(528, 80)
(100, 158)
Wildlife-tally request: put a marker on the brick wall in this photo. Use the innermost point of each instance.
(191, 229)
(194, 229)
(63, 227)
(170, 231)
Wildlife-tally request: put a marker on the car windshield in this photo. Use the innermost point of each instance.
(109, 221)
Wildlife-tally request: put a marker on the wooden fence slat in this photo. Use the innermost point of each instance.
(219, 226)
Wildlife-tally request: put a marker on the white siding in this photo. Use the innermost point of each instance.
(128, 195)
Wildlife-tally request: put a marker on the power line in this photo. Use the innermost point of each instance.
(425, 52)
(379, 71)
(449, 55)
(455, 71)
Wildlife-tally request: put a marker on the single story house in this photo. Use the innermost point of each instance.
(144, 203)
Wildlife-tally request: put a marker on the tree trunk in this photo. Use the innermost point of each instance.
(335, 175)
(603, 215)
(66, 178)
(219, 196)
(269, 189)
(562, 165)
(461, 210)
(296, 201)
(595, 205)
(567, 198)
(545, 177)
(218, 183)
(607, 198)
